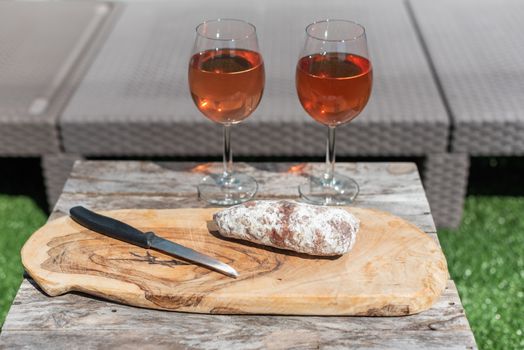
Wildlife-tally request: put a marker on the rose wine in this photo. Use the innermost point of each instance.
(226, 84)
(333, 87)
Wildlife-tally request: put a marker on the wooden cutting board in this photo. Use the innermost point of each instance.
(393, 269)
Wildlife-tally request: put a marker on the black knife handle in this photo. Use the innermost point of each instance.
(110, 227)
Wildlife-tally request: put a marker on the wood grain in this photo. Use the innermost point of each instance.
(107, 185)
(394, 268)
(74, 319)
(36, 320)
(271, 339)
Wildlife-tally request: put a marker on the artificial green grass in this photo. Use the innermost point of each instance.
(19, 217)
(486, 260)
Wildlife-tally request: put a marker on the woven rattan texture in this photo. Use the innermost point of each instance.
(56, 169)
(27, 138)
(477, 49)
(40, 42)
(445, 181)
(135, 99)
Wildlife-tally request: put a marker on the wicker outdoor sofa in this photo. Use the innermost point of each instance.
(478, 57)
(132, 99)
(42, 56)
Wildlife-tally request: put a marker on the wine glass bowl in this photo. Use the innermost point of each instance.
(333, 80)
(226, 80)
(333, 87)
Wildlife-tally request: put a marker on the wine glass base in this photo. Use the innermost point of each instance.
(233, 189)
(339, 191)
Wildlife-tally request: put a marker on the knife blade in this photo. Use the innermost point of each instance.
(127, 233)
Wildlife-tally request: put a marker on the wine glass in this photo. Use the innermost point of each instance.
(226, 80)
(333, 81)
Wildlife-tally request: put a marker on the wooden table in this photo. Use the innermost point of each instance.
(69, 321)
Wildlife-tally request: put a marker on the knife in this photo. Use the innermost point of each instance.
(124, 232)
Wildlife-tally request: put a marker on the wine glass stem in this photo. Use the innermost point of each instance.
(228, 155)
(330, 156)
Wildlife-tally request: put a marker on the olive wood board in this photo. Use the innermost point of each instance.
(393, 269)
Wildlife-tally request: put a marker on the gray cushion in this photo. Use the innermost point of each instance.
(135, 98)
(40, 44)
(477, 47)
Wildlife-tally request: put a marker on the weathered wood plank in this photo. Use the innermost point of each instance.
(73, 319)
(76, 319)
(83, 313)
(36, 320)
(124, 185)
(201, 337)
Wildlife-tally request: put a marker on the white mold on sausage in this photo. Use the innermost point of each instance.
(304, 228)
